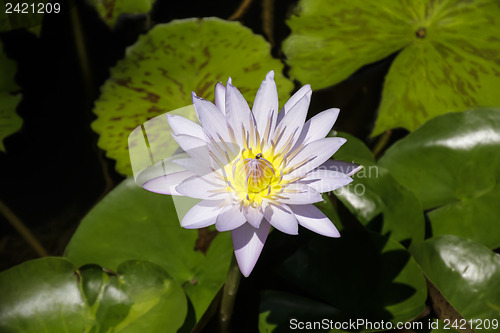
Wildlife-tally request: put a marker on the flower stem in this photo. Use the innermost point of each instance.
(22, 229)
(229, 295)
(384, 139)
(268, 20)
(242, 9)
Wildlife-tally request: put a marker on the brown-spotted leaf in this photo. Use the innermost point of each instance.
(110, 10)
(165, 65)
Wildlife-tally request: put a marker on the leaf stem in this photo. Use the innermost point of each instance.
(81, 50)
(268, 20)
(22, 229)
(88, 79)
(229, 295)
(384, 139)
(241, 10)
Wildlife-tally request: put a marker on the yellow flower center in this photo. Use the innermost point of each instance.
(253, 177)
(259, 173)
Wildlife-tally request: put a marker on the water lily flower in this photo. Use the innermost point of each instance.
(257, 168)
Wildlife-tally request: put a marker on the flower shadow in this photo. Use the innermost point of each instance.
(361, 275)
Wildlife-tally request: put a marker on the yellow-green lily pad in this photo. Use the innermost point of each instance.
(110, 10)
(159, 72)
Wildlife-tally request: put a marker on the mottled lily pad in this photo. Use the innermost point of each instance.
(448, 61)
(10, 122)
(452, 164)
(165, 65)
(110, 10)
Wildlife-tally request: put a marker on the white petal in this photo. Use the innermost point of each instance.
(347, 168)
(291, 124)
(323, 180)
(204, 187)
(313, 155)
(238, 113)
(230, 218)
(282, 218)
(166, 184)
(222, 153)
(248, 243)
(199, 150)
(318, 126)
(253, 216)
(266, 104)
(211, 118)
(220, 97)
(194, 165)
(313, 219)
(193, 146)
(181, 125)
(294, 99)
(300, 194)
(202, 214)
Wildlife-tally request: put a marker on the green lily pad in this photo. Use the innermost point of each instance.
(26, 14)
(50, 295)
(452, 164)
(10, 122)
(132, 223)
(110, 10)
(374, 191)
(467, 274)
(42, 296)
(165, 65)
(264, 324)
(448, 60)
(362, 274)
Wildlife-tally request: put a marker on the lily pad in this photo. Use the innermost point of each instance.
(362, 274)
(110, 10)
(467, 274)
(452, 164)
(449, 52)
(132, 223)
(50, 295)
(159, 72)
(10, 122)
(42, 296)
(374, 191)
